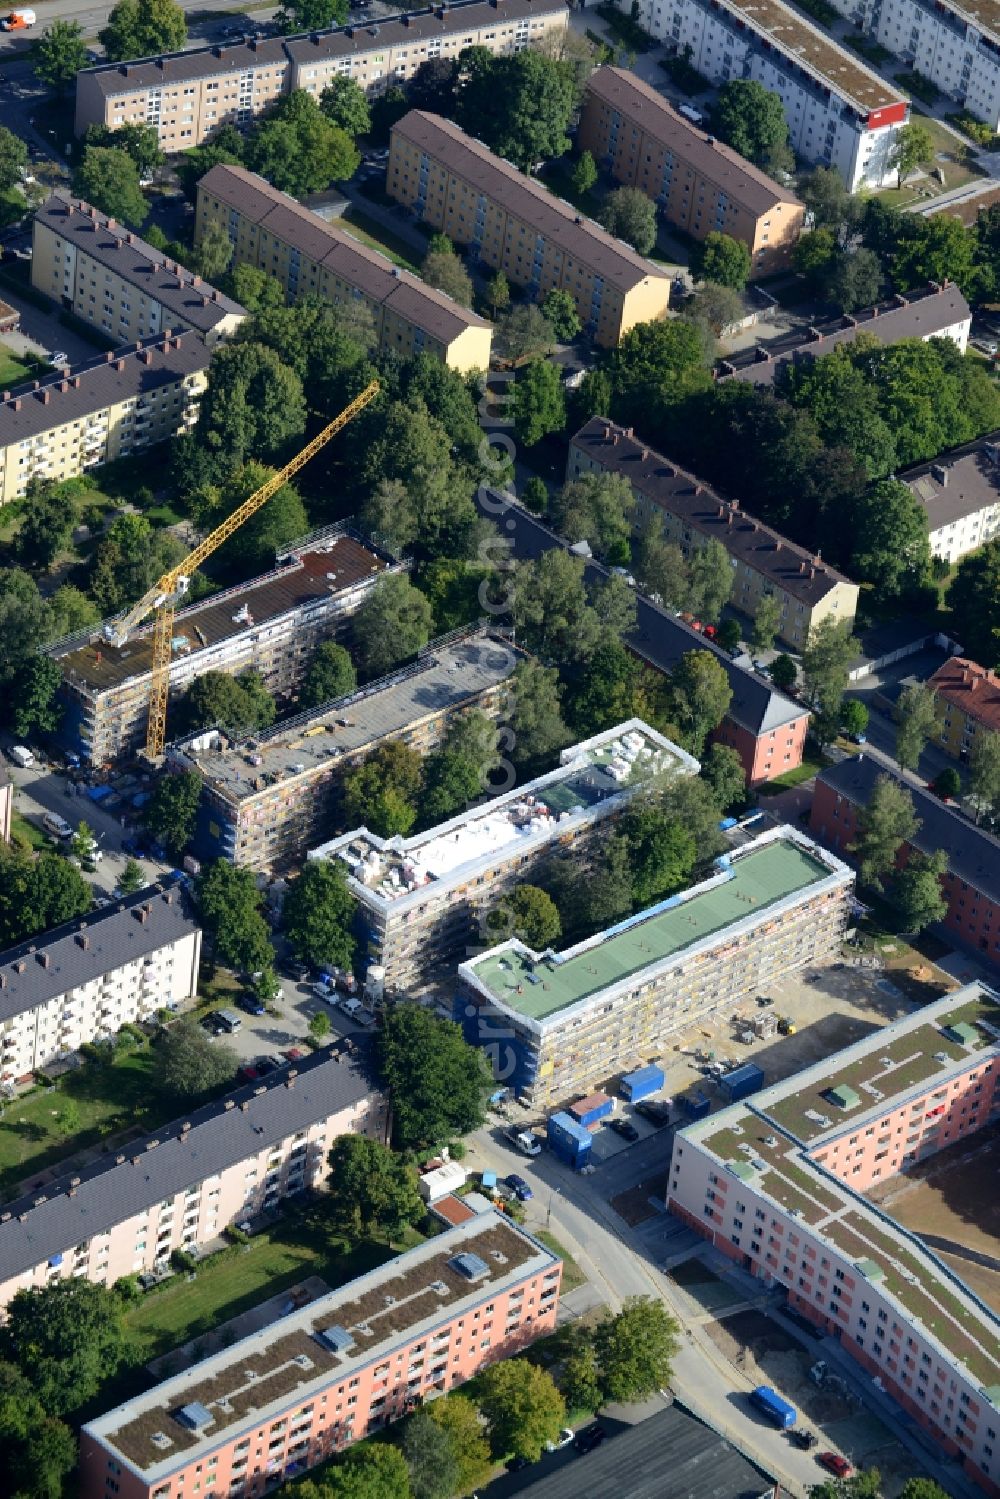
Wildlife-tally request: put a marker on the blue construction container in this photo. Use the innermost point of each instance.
(773, 1407)
(696, 1105)
(569, 1140)
(592, 1109)
(741, 1081)
(641, 1083)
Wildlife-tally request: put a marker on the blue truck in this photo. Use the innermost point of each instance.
(773, 1407)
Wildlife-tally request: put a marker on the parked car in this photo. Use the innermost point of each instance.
(624, 1128)
(59, 356)
(803, 1438)
(590, 1437)
(564, 1439)
(248, 1073)
(250, 1004)
(656, 1114)
(835, 1464)
(519, 1187)
(293, 1054)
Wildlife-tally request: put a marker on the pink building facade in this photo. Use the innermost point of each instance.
(291, 1395)
(180, 1188)
(776, 1185)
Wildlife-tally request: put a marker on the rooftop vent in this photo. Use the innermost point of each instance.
(194, 1416)
(337, 1339)
(303, 1361)
(439, 1288)
(469, 1265)
(160, 1440)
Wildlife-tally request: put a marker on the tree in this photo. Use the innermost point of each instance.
(254, 546)
(13, 160)
(421, 486)
(854, 718)
(345, 103)
(636, 1349)
(722, 259)
(912, 146)
(215, 251)
(710, 580)
(67, 1339)
(660, 565)
(318, 915)
(374, 1470)
(444, 269)
(551, 609)
(39, 1450)
(528, 914)
(253, 289)
(373, 1192)
(815, 257)
(298, 149)
(229, 902)
(947, 783)
(522, 1406)
(525, 333)
(984, 772)
(766, 622)
(190, 1062)
(535, 494)
(932, 248)
(662, 854)
(110, 180)
(828, 654)
(131, 878)
(539, 405)
(918, 718)
(381, 792)
(312, 15)
(605, 690)
(498, 293)
(917, 892)
(172, 810)
(319, 1026)
(59, 54)
(596, 508)
(723, 770)
(438, 1083)
(535, 715)
(36, 707)
(459, 1418)
(974, 600)
(429, 1457)
(71, 610)
(451, 783)
(25, 621)
(891, 546)
(392, 625)
(559, 306)
(143, 28)
(855, 280)
(254, 405)
(922, 1488)
(539, 94)
(581, 1378)
(783, 672)
(629, 215)
(237, 705)
(142, 142)
(656, 366)
(329, 675)
(584, 174)
(701, 694)
(714, 307)
(83, 844)
(750, 118)
(883, 826)
(823, 192)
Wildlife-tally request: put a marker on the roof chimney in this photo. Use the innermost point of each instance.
(43, 958)
(82, 940)
(940, 473)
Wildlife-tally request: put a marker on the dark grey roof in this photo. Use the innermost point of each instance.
(788, 566)
(34, 972)
(670, 1454)
(659, 638)
(303, 48)
(126, 374)
(186, 297)
(958, 483)
(973, 854)
(920, 314)
(63, 1213)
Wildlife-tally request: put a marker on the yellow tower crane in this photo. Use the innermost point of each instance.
(173, 585)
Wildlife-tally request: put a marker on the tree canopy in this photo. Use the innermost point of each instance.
(392, 625)
(109, 179)
(254, 404)
(172, 810)
(522, 1406)
(539, 95)
(143, 28)
(974, 601)
(237, 705)
(380, 793)
(66, 1338)
(373, 1192)
(751, 119)
(191, 1063)
(883, 826)
(229, 902)
(318, 915)
(437, 1082)
(298, 148)
(635, 1349)
(330, 674)
(628, 214)
(721, 259)
(59, 54)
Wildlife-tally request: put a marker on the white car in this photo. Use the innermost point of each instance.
(59, 357)
(564, 1438)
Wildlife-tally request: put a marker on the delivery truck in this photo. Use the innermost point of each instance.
(773, 1407)
(18, 20)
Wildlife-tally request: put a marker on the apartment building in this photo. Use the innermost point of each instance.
(960, 494)
(512, 223)
(311, 257)
(421, 901)
(956, 47)
(270, 624)
(557, 1024)
(188, 96)
(971, 882)
(699, 183)
(840, 113)
(936, 312)
(111, 405)
(778, 1185)
(293, 1394)
(85, 980)
(765, 728)
(969, 695)
(269, 799)
(180, 1187)
(764, 562)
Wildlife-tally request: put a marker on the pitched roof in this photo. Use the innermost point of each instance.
(973, 854)
(109, 1191)
(106, 380)
(34, 972)
(462, 154)
(973, 688)
(186, 297)
(959, 483)
(920, 314)
(339, 252)
(743, 183)
(789, 567)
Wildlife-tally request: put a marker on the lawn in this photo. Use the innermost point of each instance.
(356, 222)
(810, 767)
(12, 369)
(958, 170)
(23, 831)
(573, 1276)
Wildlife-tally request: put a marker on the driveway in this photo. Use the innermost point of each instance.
(44, 334)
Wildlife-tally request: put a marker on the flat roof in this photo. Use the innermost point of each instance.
(637, 101)
(800, 574)
(559, 221)
(596, 774)
(750, 881)
(254, 1380)
(185, 296)
(443, 676)
(304, 576)
(337, 250)
(815, 53)
(959, 483)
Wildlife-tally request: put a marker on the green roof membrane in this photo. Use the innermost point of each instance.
(538, 989)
